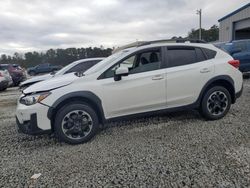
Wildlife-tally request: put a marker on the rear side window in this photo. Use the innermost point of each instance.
(178, 56)
(209, 53)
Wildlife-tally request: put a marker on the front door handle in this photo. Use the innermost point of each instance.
(205, 70)
(157, 77)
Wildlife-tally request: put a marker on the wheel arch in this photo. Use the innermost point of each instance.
(79, 96)
(223, 80)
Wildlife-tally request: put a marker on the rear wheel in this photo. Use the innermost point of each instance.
(216, 103)
(76, 123)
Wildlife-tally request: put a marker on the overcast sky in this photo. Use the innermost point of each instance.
(27, 25)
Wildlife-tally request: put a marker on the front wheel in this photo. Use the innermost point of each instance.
(215, 103)
(76, 123)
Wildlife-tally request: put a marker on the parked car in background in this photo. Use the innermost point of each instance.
(239, 50)
(77, 66)
(141, 80)
(3, 83)
(43, 68)
(17, 73)
(6, 74)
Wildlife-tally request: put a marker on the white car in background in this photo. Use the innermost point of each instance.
(6, 75)
(141, 80)
(77, 66)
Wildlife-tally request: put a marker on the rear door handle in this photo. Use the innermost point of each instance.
(157, 77)
(205, 70)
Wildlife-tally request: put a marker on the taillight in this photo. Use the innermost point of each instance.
(235, 63)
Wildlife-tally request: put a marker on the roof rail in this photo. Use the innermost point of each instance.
(143, 43)
(171, 41)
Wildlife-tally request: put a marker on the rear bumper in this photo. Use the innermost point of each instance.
(17, 78)
(30, 127)
(238, 94)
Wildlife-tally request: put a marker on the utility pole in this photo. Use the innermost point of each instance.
(199, 13)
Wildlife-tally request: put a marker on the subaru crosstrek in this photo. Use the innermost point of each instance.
(140, 80)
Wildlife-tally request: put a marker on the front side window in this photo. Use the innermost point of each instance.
(141, 62)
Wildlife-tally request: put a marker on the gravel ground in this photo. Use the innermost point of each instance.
(171, 150)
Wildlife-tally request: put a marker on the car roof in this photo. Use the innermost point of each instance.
(202, 45)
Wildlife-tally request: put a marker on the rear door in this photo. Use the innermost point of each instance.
(188, 70)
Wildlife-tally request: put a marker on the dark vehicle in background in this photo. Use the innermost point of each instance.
(81, 65)
(43, 68)
(17, 73)
(239, 50)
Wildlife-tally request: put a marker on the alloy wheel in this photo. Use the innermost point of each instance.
(77, 124)
(217, 103)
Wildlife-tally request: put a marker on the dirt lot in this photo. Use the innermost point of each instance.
(171, 150)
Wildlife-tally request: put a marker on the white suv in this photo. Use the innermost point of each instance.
(137, 81)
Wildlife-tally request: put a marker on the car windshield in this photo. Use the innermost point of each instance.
(105, 62)
(64, 69)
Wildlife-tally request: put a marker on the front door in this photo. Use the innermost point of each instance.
(143, 90)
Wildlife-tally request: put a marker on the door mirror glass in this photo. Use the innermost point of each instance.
(119, 72)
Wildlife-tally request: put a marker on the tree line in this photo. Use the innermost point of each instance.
(54, 56)
(65, 56)
(208, 35)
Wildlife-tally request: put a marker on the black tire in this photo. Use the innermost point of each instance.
(32, 73)
(4, 88)
(217, 108)
(62, 116)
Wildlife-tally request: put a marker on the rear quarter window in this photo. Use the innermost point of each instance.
(209, 53)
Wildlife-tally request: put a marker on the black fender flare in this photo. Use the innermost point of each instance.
(87, 96)
(217, 78)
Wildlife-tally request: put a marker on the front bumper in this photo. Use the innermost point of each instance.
(32, 119)
(30, 127)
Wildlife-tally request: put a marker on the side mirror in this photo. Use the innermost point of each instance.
(119, 72)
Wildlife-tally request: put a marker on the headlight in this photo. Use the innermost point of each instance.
(33, 99)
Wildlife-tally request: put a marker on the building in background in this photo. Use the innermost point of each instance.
(236, 25)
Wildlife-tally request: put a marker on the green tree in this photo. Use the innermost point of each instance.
(55, 56)
(209, 35)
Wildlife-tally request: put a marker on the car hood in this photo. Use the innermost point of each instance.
(53, 83)
(36, 79)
